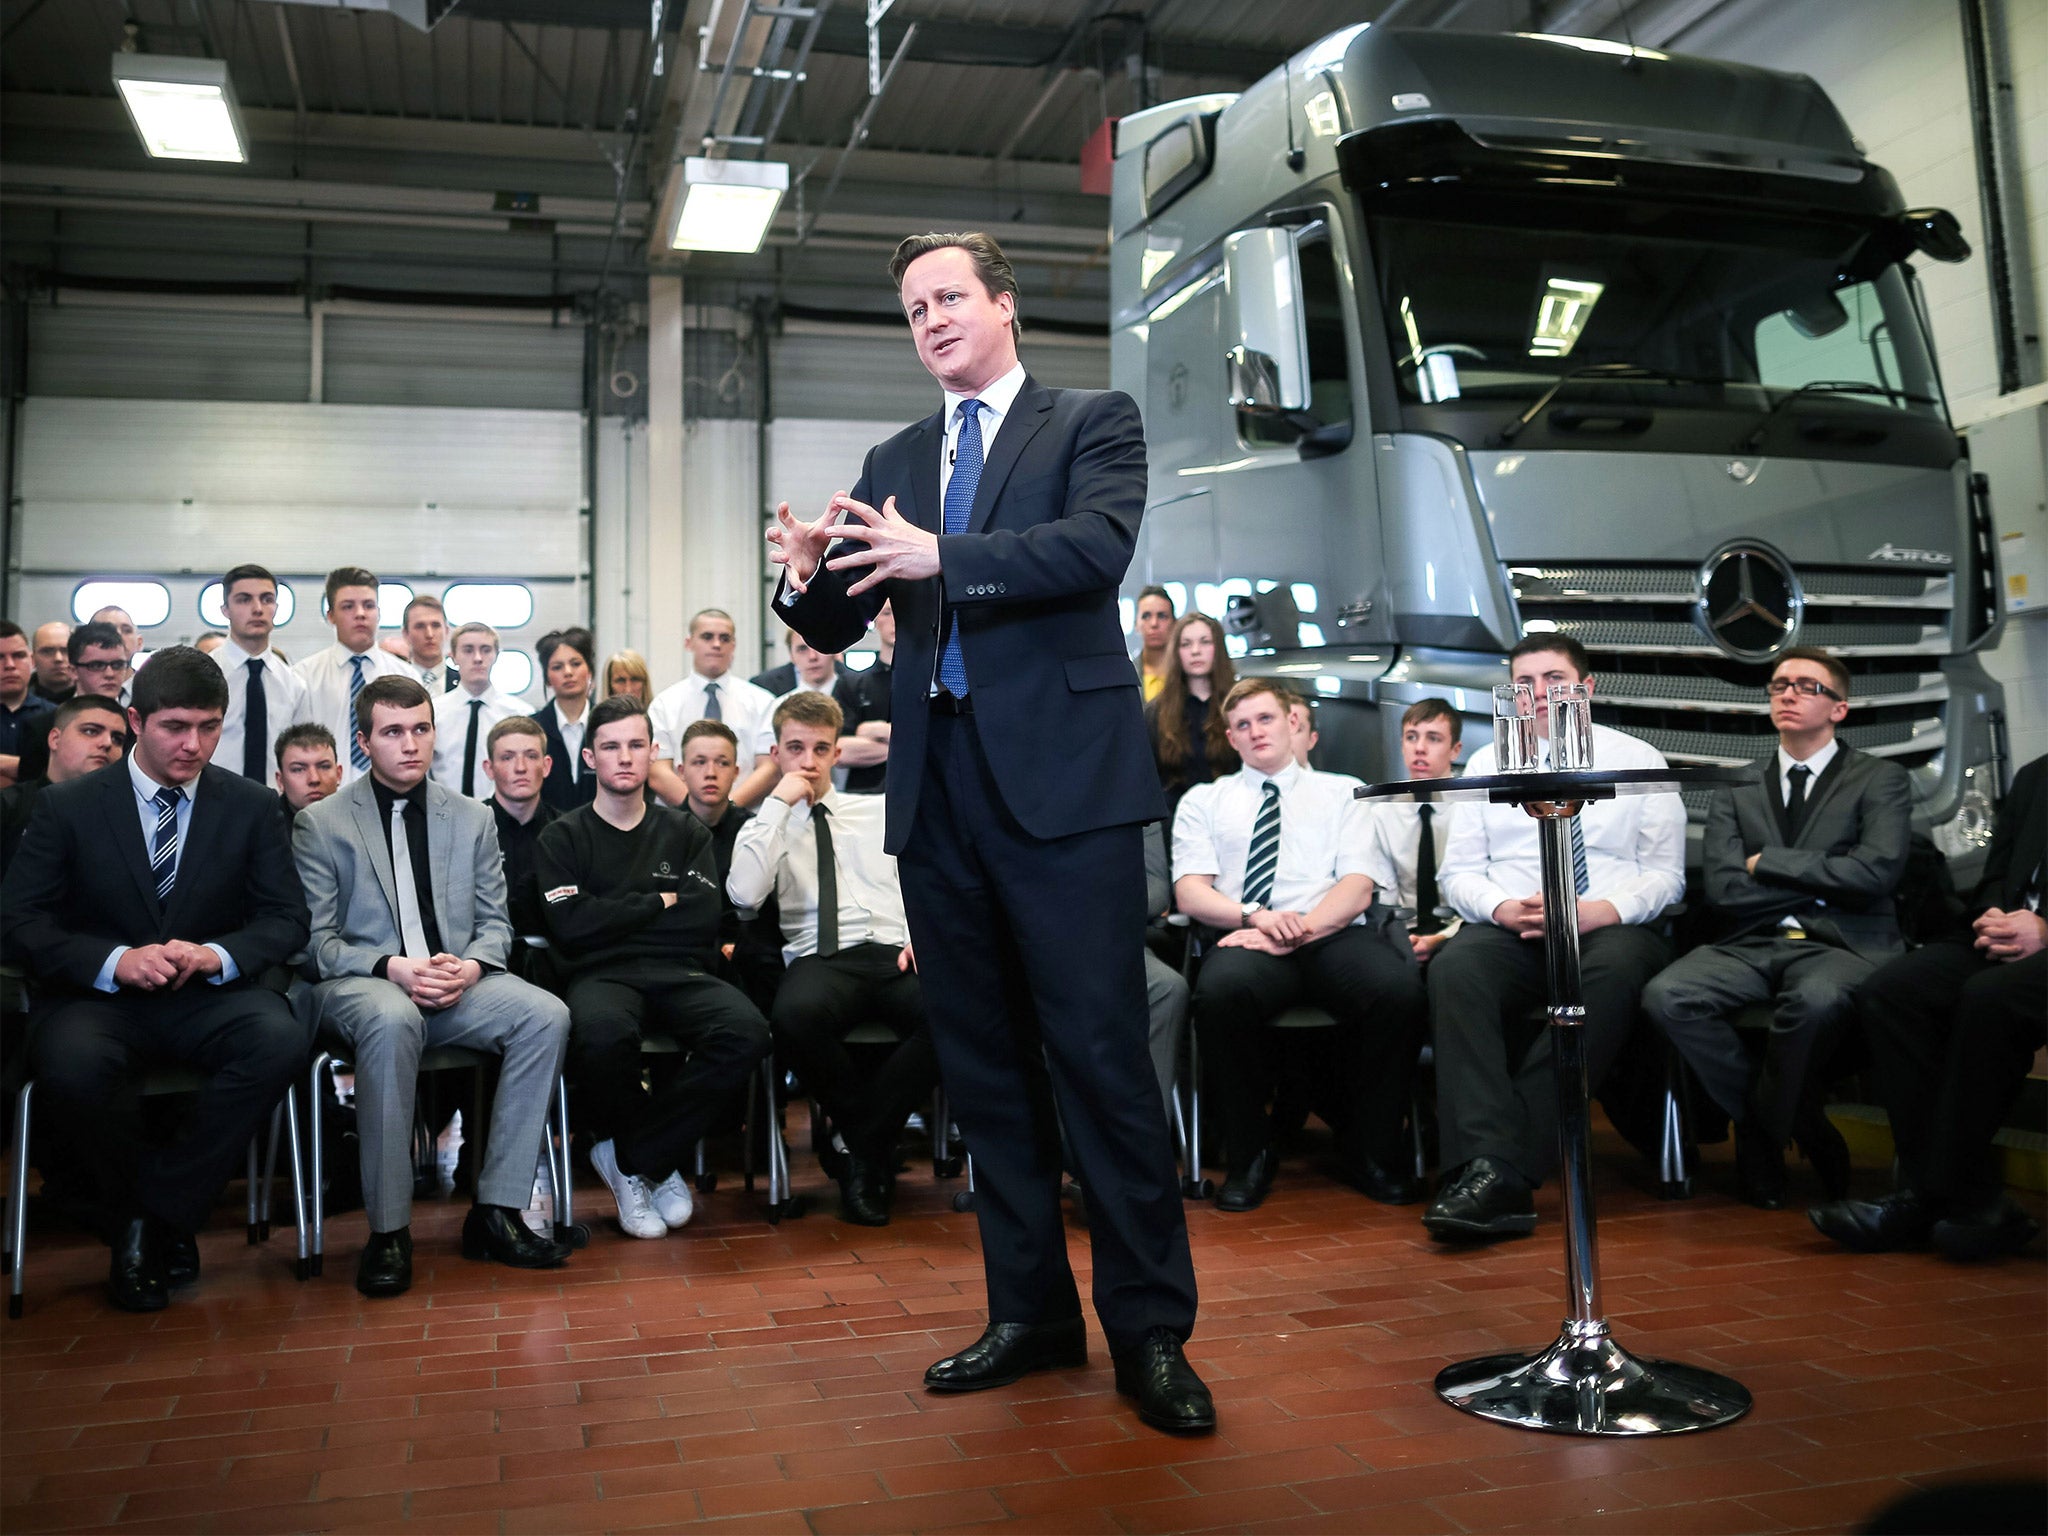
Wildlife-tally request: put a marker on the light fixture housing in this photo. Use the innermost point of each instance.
(724, 205)
(183, 109)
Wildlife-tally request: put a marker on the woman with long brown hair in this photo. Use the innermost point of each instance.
(1186, 720)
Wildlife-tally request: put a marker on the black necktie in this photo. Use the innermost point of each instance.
(828, 883)
(1795, 806)
(255, 725)
(1426, 898)
(476, 715)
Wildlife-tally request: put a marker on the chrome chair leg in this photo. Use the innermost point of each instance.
(301, 1266)
(318, 1194)
(17, 1202)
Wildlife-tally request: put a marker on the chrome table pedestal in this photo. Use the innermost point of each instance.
(1584, 1383)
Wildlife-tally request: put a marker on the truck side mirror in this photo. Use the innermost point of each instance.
(1936, 232)
(1262, 316)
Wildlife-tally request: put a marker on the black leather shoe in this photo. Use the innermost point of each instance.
(1371, 1178)
(1995, 1231)
(863, 1192)
(1485, 1202)
(1898, 1221)
(385, 1269)
(1245, 1191)
(135, 1278)
(493, 1232)
(1170, 1396)
(1007, 1351)
(1759, 1166)
(1816, 1136)
(181, 1258)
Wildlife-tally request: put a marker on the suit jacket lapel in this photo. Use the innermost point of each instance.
(1824, 786)
(1773, 787)
(369, 829)
(440, 851)
(924, 449)
(1028, 414)
(127, 824)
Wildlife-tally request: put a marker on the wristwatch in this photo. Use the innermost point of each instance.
(1244, 912)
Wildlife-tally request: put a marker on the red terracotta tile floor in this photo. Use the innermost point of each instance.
(766, 1378)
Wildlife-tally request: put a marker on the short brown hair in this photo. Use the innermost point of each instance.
(1424, 710)
(806, 708)
(424, 600)
(1548, 642)
(514, 725)
(390, 690)
(307, 733)
(1284, 694)
(620, 706)
(718, 728)
(1837, 673)
(990, 264)
(347, 576)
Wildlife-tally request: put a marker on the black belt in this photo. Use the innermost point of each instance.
(944, 703)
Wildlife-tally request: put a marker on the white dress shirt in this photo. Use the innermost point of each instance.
(146, 807)
(1394, 838)
(1635, 844)
(451, 735)
(1323, 833)
(284, 701)
(777, 852)
(326, 676)
(996, 403)
(1818, 764)
(572, 739)
(744, 707)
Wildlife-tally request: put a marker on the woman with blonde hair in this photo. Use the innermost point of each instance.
(1189, 743)
(626, 672)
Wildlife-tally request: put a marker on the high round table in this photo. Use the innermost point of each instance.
(1584, 1383)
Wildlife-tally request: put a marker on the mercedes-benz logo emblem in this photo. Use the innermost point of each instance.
(1749, 600)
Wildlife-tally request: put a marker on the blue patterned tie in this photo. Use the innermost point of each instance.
(959, 503)
(1262, 862)
(356, 754)
(1580, 880)
(163, 858)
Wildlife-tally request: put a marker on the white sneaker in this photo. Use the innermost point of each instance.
(636, 1205)
(673, 1200)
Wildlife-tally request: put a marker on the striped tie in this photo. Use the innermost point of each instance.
(1263, 861)
(163, 858)
(967, 462)
(1579, 878)
(356, 754)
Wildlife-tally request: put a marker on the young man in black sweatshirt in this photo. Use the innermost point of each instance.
(631, 896)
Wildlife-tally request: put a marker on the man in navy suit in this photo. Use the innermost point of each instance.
(149, 899)
(1019, 786)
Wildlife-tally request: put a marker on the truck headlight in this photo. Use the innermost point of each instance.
(1970, 828)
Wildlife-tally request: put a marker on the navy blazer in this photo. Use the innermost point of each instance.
(560, 793)
(1034, 583)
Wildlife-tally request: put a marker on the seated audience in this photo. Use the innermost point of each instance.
(1799, 868)
(811, 670)
(334, 677)
(55, 681)
(1190, 743)
(633, 906)
(265, 697)
(625, 674)
(22, 714)
(1408, 837)
(876, 706)
(1275, 857)
(568, 658)
(1952, 1029)
(464, 716)
(847, 947)
(1496, 1085)
(308, 766)
(85, 733)
(711, 692)
(410, 939)
(123, 625)
(1156, 636)
(100, 663)
(148, 899)
(517, 763)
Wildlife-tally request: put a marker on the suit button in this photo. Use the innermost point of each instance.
(1001, 587)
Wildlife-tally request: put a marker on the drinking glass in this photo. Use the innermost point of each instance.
(1514, 728)
(1571, 726)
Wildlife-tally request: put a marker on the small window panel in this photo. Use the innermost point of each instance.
(513, 673)
(148, 603)
(502, 605)
(392, 596)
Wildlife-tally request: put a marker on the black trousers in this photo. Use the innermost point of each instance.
(724, 1038)
(1031, 951)
(1951, 1036)
(89, 1057)
(1361, 981)
(821, 1000)
(1496, 1079)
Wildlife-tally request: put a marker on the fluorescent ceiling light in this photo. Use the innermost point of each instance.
(726, 205)
(184, 109)
(1561, 315)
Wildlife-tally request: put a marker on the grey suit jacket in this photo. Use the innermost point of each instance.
(345, 866)
(1838, 875)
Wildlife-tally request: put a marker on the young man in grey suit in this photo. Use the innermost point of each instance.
(410, 934)
(1801, 866)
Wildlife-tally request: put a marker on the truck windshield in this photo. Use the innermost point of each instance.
(1480, 311)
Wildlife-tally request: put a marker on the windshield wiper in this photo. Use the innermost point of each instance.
(1755, 440)
(1617, 370)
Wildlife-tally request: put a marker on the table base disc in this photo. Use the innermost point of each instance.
(1590, 1385)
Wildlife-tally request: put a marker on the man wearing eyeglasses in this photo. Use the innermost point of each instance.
(1799, 866)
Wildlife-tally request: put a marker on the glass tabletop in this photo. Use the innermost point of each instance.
(1580, 784)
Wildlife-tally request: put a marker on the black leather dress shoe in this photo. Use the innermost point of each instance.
(181, 1258)
(1759, 1167)
(1007, 1351)
(493, 1232)
(1372, 1179)
(135, 1278)
(1245, 1191)
(863, 1192)
(1995, 1231)
(1898, 1221)
(1485, 1202)
(1816, 1136)
(1170, 1396)
(385, 1269)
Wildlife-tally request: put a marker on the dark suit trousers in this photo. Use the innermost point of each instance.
(1495, 1073)
(821, 999)
(89, 1056)
(1356, 977)
(722, 1033)
(1951, 1037)
(1031, 952)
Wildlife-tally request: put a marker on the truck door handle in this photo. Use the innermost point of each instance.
(1597, 422)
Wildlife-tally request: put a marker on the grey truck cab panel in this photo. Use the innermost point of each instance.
(1446, 338)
